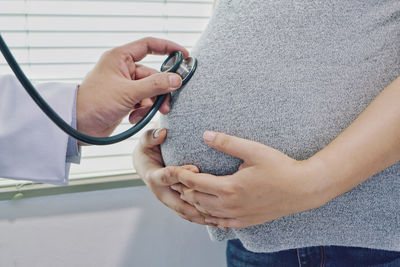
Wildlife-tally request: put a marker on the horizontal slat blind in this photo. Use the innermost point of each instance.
(62, 40)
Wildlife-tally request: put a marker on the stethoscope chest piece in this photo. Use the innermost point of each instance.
(184, 67)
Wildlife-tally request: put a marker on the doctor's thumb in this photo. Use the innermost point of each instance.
(155, 84)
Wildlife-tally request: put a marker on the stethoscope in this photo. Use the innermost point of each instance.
(174, 63)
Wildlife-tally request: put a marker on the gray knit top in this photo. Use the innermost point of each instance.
(293, 74)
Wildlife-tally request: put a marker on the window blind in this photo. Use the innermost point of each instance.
(62, 40)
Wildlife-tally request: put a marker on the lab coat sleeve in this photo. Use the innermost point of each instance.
(32, 147)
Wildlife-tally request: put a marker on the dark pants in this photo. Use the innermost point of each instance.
(327, 256)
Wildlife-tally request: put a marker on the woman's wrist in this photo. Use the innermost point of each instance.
(322, 180)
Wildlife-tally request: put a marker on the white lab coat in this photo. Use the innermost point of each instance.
(32, 147)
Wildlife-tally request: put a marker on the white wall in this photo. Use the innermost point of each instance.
(122, 227)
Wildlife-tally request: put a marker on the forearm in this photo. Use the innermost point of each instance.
(369, 145)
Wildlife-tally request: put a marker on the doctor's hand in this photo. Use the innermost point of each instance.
(117, 86)
(150, 166)
(268, 185)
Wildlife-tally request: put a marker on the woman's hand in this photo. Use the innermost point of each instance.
(268, 185)
(150, 166)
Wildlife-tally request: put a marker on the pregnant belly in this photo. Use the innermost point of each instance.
(296, 108)
(288, 112)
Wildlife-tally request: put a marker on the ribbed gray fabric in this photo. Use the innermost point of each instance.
(293, 74)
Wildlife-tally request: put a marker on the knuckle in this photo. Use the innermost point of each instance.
(156, 82)
(237, 189)
(147, 39)
(164, 179)
(190, 184)
(114, 51)
(227, 190)
(173, 172)
(194, 200)
(222, 140)
(232, 190)
(148, 177)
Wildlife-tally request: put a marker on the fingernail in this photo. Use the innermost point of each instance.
(174, 187)
(209, 136)
(183, 197)
(174, 81)
(156, 133)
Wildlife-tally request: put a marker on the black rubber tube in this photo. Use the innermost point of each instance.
(30, 89)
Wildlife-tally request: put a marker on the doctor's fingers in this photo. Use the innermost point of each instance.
(153, 85)
(149, 45)
(143, 108)
(172, 200)
(143, 71)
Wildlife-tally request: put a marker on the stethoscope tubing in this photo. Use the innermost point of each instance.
(30, 89)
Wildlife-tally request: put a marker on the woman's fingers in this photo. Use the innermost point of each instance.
(160, 177)
(201, 182)
(138, 114)
(165, 107)
(205, 203)
(152, 138)
(223, 224)
(238, 147)
(181, 189)
(146, 155)
(172, 200)
(178, 188)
